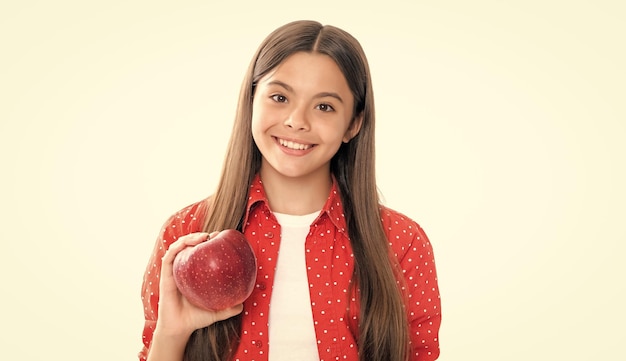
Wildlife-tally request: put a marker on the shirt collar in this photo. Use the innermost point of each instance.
(333, 208)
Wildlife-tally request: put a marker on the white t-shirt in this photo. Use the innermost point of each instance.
(291, 330)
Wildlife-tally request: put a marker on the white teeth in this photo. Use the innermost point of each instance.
(291, 145)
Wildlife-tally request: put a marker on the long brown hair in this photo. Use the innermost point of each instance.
(383, 326)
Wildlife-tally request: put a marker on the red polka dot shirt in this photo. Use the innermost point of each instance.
(329, 261)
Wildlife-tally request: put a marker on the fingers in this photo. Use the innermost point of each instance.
(228, 313)
(167, 262)
(175, 311)
(189, 240)
(195, 317)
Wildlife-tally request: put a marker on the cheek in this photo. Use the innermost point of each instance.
(265, 117)
(259, 124)
(336, 130)
(256, 117)
(256, 129)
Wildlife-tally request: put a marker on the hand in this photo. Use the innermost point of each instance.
(177, 316)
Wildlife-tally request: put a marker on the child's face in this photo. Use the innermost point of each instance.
(302, 112)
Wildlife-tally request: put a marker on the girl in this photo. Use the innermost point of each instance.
(340, 276)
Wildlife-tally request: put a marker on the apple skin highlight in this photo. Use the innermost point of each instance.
(218, 273)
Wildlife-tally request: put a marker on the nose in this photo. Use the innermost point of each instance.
(297, 119)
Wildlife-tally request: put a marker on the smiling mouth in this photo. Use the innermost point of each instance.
(293, 145)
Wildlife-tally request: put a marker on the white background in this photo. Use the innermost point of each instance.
(501, 130)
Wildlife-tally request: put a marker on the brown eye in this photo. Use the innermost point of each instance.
(325, 107)
(279, 98)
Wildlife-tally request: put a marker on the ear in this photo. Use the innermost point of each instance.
(354, 128)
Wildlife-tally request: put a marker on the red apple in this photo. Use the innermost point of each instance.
(217, 274)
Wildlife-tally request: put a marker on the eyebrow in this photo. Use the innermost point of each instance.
(318, 95)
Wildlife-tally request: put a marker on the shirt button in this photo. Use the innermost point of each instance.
(257, 343)
(269, 235)
(261, 286)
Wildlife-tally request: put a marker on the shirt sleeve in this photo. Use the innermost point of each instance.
(183, 222)
(424, 303)
(150, 285)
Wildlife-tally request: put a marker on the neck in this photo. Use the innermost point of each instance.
(296, 196)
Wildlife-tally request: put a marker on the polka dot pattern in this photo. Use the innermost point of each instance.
(412, 248)
(330, 263)
(188, 220)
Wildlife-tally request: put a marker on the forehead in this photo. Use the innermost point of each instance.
(309, 71)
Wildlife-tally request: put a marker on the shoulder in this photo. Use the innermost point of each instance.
(403, 233)
(398, 224)
(186, 220)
